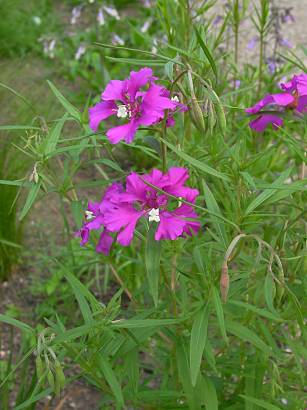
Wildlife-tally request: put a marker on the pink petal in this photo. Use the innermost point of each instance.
(302, 104)
(138, 79)
(175, 186)
(105, 242)
(282, 99)
(170, 227)
(260, 123)
(100, 112)
(123, 218)
(191, 224)
(123, 132)
(84, 233)
(115, 90)
(135, 189)
(154, 100)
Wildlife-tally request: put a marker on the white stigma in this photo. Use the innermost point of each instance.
(180, 202)
(122, 111)
(154, 215)
(89, 215)
(175, 98)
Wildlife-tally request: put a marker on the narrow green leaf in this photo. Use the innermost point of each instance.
(15, 183)
(267, 193)
(34, 190)
(219, 312)
(77, 212)
(34, 399)
(152, 261)
(269, 293)
(54, 135)
(9, 243)
(66, 104)
(206, 51)
(247, 335)
(198, 342)
(112, 380)
(17, 127)
(83, 305)
(260, 312)
(191, 392)
(261, 403)
(196, 163)
(210, 395)
(213, 207)
(14, 322)
(139, 323)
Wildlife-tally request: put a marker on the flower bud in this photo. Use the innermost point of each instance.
(224, 282)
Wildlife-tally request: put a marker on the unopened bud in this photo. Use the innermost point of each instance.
(224, 282)
(198, 115)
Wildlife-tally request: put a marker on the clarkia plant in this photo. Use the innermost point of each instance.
(145, 196)
(187, 289)
(137, 100)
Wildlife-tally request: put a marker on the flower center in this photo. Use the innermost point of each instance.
(89, 215)
(122, 111)
(154, 215)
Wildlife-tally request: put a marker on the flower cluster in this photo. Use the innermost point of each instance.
(156, 196)
(293, 98)
(137, 101)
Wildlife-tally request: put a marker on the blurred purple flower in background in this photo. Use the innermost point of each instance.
(217, 20)
(252, 43)
(146, 26)
(293, 98)
(81, 50)
(100, 17)
(116, 40)
(287, 16)
(112, 12)
(75, 14)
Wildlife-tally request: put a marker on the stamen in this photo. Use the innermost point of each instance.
(180, 202)
(89, 215)
(122, 111)
(154, 215)
(175, 98)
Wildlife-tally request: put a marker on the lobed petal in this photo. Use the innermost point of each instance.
(105, 242)
(123, 132)
(100, 112)
(260, 123)
(281, 99)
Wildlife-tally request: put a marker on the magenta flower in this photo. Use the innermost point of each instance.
(137, 99)
(121, 209)
(95, 220)
(293, 98)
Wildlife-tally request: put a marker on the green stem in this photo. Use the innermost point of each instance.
(260, 62)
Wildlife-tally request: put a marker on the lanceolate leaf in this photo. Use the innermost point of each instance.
(198, 342)
(206, 51)
(66, 104)
(152, 260)
(210, 395)
(219, 312)
(112, 380)
(196, 163)
(247, 335)
(34, 190)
